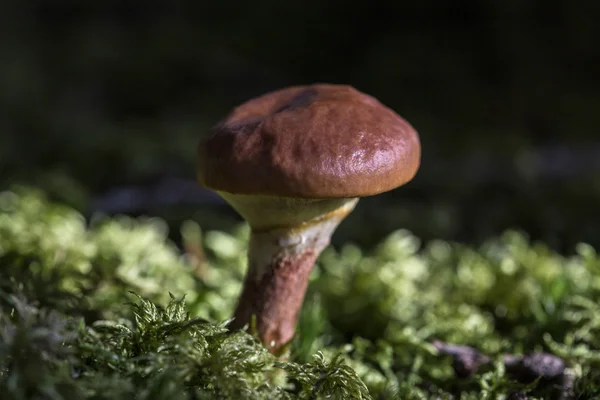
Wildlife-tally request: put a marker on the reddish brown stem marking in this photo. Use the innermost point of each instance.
(275, 298)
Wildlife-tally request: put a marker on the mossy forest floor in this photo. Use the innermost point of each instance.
(112, 310)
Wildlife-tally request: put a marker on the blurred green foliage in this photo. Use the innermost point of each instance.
(70, 329)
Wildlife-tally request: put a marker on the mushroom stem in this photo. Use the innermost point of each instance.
(280, 260)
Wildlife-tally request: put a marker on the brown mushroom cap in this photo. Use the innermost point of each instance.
(317, 141)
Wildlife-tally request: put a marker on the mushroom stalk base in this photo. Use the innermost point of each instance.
(279, 265)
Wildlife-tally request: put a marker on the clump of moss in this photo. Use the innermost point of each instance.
(70, 326)
(48, 247)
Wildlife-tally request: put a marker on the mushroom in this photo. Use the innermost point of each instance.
(293, 164)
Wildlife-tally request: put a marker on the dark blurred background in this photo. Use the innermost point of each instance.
(101, 104)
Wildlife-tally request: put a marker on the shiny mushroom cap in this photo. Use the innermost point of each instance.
(314, 142)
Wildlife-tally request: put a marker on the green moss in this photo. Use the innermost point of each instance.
(71, 328)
